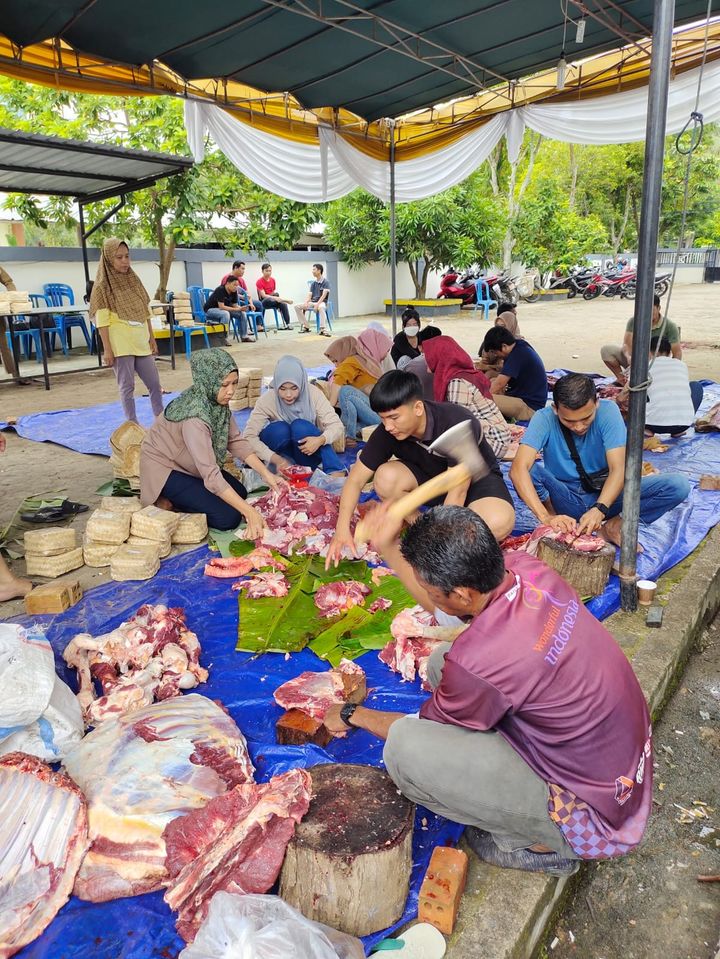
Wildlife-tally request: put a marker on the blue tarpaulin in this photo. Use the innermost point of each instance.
(143, 926)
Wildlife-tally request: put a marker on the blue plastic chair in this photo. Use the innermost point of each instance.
(329, 312)
(483, 300)
(253, 316)
(31, 337)
(60, 294)
(279, 323)
(197, 298)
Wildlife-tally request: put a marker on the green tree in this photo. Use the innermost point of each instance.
(460, 225)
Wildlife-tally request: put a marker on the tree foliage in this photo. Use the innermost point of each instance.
(460, 225)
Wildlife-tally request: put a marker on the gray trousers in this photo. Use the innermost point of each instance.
(470, 777)
(125, 368)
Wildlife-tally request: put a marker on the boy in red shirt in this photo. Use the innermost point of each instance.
(269, 297)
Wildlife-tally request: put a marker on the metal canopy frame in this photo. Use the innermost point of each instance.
(122, 185)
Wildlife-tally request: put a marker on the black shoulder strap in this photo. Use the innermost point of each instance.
(575, 456)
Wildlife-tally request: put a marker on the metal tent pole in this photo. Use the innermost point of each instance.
(393, 244)
(663, 17)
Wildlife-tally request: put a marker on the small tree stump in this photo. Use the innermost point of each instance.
(348, 864)
(587, 573)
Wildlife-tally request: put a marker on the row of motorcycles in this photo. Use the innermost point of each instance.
(589, 282)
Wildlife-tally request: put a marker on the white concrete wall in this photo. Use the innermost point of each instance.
(363, 291)
(291, 277)
(32, 276)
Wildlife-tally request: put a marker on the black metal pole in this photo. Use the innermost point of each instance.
(83, 241)
(393, 244)
(663, 18)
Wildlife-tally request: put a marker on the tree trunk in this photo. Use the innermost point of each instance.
(513, 199)
(573, 176)
(166, 248)
(412, 266)
(348, 864)
(7, 280)
(423, 281)
(5, 351)
(587, 573)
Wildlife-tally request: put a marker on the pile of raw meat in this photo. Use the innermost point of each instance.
(528, 542)
(271, 583)
(303, 521)
(336, 599)
(416, 635)
(315, 693)
(152, 656)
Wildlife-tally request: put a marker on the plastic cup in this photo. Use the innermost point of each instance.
(646, 589)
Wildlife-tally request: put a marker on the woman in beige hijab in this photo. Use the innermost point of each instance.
(119, 307)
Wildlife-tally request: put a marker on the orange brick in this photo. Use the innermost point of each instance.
(442, 888)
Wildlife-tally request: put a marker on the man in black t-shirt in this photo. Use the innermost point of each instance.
(408, 426)
(221, 303)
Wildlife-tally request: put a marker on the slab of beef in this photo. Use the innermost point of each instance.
(233, 566)
(528, 543)
(235, 844)
(335, 599)
(151, 656)
(315, 693)
(141, 771)
(43, 838)
(264, 584)
(416, 635)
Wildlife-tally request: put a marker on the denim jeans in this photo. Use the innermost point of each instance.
(283, 438)
(355, 410)
(189, 495)
(216, 315)
(658, 494)
(269, 304)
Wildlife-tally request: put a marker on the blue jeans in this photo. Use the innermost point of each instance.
(355, 410)
(216, 315)
(189, 495)
(658, 494)
(283, 438)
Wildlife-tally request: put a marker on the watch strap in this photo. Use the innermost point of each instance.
(347, 711)
(603, 509)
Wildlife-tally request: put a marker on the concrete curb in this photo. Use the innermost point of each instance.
(504, 914)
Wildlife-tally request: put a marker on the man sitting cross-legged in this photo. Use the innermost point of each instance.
(536, 735)
(408, 426)
(579, 487)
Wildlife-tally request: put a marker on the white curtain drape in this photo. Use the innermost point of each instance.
(313, 174)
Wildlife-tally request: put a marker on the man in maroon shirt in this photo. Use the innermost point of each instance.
(537, 734)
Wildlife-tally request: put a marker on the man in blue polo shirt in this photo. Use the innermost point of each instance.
(578, 489)
(520, 387)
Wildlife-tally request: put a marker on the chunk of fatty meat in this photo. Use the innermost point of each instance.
(139, 772)
(314, 693)
(334, 599)
(43, 838)
(380, 604)
(235, 844)
(233, 566)
(409, 656)
(263, 585)
(528, 543)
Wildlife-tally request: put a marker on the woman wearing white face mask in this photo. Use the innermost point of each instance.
(405, 343)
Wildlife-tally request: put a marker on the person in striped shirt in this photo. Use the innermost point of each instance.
(672, 400)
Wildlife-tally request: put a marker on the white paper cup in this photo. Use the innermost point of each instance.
(646, 589)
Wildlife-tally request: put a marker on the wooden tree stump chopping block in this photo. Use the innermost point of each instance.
(587, 572)
(348, 864)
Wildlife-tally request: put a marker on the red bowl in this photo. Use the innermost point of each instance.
(297, 476)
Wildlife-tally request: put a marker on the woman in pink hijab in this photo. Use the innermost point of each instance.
(375, 345)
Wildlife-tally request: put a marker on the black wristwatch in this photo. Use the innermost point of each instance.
(603, 509)
(346, 713)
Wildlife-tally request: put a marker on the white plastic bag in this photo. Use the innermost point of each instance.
(331, 484)
(38, 713)
(266, 927)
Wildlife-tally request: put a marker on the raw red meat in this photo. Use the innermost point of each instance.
(141, 771)
(379, 604)
(315, 693)
(528, 543)
(264, 584)
(335, 599)
(151, 656)
(234, 566)
(235, 844)
(43, 838)
(415, 635)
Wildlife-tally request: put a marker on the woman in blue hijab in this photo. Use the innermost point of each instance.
(293, 422)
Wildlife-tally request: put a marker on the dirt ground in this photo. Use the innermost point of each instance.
(566, 333)
(650, 904)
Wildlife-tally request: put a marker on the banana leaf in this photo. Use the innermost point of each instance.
(280, 624)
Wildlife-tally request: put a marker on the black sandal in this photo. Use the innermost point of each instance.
(54, 514)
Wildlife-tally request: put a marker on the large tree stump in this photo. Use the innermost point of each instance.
(587, 573)
(348, 864)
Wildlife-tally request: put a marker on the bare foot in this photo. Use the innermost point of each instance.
(162, 502)
(14, 588)
(611, 532)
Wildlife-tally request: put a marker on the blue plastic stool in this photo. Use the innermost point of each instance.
(483, 300)
(187, 332)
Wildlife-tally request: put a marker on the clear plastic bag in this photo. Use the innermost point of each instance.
(331, 484)
(266, 927)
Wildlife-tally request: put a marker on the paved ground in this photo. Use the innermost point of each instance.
(651, 904)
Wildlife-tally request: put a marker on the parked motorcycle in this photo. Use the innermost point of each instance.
(455, 285)
(610, 283)
(662, 285)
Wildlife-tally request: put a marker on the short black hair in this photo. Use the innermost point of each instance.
(395, 388)
(495, 338)
(428, 333)
(265, 266)
(319, 266)
(656, 300)
(574, 390)
(660, 346)
(237, 263)
(409, 314)
(450, 547)
(231, 278)
(506, 308)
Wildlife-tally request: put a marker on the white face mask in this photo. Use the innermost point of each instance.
(412, 330)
